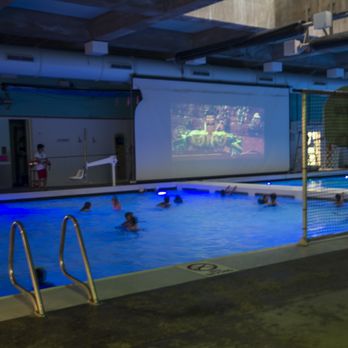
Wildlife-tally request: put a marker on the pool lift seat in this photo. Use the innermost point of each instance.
(82, 173)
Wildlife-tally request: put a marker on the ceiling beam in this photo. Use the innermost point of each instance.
(129, 19)
(27, 23)
(270, 36)
(5, 3)
(144, 5)
(110, 4)
(156, 40)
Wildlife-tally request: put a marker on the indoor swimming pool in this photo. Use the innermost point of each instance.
(205, 225)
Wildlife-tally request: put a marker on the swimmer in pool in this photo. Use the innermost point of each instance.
(116, 203)
(165, 203)
(339, 199)
(178, 199)
(41, 278)
(229, 190)
(131, 222)
(86, 207)
(263, 199)
(273, 201)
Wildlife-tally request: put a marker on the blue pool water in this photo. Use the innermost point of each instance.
(204, 226)
(322, 182)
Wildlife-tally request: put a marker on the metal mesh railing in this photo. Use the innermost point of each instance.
(324, 138)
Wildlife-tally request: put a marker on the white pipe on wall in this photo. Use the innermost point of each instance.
(26, 61)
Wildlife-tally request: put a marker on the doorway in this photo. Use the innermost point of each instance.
(120, 150)
(19, 152)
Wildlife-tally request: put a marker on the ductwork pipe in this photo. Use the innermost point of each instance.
(59, 64)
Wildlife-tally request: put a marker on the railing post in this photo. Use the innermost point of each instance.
(90, 289)
(36, 298)
(304, 240)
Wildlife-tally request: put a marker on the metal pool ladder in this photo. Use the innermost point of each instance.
(90, 288)
(36, 297)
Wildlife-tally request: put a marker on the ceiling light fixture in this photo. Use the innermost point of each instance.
(197, 61)
(96, 48)
(272, 67)
(322, 20)
(292, 47)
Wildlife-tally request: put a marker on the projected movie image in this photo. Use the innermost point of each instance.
(216, 131)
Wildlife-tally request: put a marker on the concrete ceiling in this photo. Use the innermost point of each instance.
(242, 33)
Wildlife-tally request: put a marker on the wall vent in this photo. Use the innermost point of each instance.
(200, 73)
(121, 66)
(320, 83)
(266, 79)
(18, 58)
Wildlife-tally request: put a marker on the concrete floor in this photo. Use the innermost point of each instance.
(295, 304)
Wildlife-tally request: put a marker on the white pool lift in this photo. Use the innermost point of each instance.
(82, 173)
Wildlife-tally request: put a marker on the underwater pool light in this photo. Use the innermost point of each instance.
(346, 177)
(269, 183)
(161, 193)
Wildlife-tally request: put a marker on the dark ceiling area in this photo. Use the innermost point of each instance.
(164, 29)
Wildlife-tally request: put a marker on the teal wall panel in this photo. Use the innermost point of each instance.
(38, 102)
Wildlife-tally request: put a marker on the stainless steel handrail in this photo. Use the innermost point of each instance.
(90, 289)
(36, 297)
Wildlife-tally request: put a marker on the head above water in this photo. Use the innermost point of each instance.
(178, 199)
(40, 274)
(338, 197)
(128, 215)
(263, 199)
(273, 196)
(86, 206)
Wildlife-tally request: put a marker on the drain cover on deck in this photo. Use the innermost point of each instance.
(207, 269)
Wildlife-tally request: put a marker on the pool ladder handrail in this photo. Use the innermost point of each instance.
(90, 288)
(35, 298)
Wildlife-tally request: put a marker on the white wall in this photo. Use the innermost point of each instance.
(64, 143)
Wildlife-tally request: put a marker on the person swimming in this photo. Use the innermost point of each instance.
(86, 207)
(339, 199)
(131, 222)
(116, 203)
(178, 199)
(41, 276)
(273, 201)
(263, 199)
(165, 203)
(229, 190)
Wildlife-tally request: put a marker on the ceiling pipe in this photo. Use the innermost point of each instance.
(331, 41)
(266, 36)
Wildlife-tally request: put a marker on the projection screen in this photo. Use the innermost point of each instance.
(196, 130)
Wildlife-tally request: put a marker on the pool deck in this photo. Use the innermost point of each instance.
(290, 297)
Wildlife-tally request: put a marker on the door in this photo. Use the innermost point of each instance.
(19, 153)
(120, 150)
